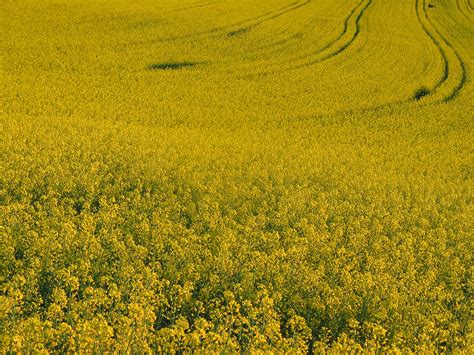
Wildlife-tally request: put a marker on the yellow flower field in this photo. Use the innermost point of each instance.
(236, 176)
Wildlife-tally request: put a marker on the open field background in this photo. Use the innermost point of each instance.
(236, 175)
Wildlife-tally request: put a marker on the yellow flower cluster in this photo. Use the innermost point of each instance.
(236, 176)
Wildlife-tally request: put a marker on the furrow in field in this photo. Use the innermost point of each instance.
(463, 9)
(182, 7)
(245, 29)
(349, 33)
(456, 28)
(241, 26)
(309, 28)
(447, 87)
(454, 75)
(470, 6)
(197, 5)
(420, 13)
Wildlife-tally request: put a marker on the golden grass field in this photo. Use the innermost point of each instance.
(236, 176)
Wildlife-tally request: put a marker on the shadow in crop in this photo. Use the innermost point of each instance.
(237, 32)
(420, 93)
(172, 65)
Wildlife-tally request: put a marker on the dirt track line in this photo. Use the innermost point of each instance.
(222, 28)
(444, 77)
(280, 11)
(363, 5)
(274, 46)
(461, 9)
(410, 102)
(336, 47)
(339, 47)
(248, 28)
(451, 58)
(469, 5)
(198, 5)
(346, 45)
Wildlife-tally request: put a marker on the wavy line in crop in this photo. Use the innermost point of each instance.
(346, 25)
(340, 44)
(289, 9)
(197, 5)
(447, 52)
(270, 14)
(275, 45)
(444, 76)
(252, 21)
(463, 8)
(469, 5)
(351, 29)
(452, 61)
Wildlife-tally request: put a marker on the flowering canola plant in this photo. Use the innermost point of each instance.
(225, 176)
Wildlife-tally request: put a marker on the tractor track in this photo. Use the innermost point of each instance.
(447, 87)
(197, 5)
(246, 29)
(252, 22)
(451, 58)
(461, 9)
(274, 47)
(351, 40)
(442, 53)
(276, 12)
(444, 47)
(469, 5)
(333, 48)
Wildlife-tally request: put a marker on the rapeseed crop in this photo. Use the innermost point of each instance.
(236, 176)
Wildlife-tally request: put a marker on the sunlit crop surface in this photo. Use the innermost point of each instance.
(236, 176)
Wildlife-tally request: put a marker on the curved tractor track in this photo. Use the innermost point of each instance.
(350, 31)
(197, 5)
(243, 26)
(448, 87)
(455, 73)
(292, 7)
(341, 43)
(469, 5)
(464, 9)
